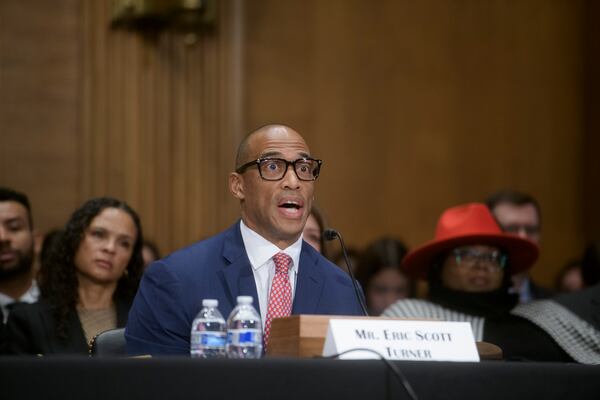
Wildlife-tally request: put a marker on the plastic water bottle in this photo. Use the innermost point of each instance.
(244, 330)
(208, 337)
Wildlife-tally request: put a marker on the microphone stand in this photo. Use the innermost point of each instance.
(330, 234)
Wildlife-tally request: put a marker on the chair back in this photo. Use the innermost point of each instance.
(109, 343)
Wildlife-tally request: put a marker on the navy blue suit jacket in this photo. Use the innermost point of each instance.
(172, 289)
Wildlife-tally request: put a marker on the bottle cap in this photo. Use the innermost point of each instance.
(245, 299)
(210, 303)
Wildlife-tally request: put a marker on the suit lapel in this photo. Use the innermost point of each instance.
(76, 342)
(309, 283)
(238, 273)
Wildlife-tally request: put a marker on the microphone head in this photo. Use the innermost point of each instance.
(330, 234)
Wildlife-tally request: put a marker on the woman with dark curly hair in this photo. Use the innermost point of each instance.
(90, 279)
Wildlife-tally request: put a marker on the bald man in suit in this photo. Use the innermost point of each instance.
(274, 182)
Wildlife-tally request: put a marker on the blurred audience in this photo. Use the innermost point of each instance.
(573, 319)
(468, 265)
(590, 265)
(519, 214)
(50, 241)
(378, 271)
(569, 278)
(89, 281)
(17, 283)
(150, 252)
(313, 230)
(582, 273)
(353, 259)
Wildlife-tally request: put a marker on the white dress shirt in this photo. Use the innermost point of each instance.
(260, 253)
(30, 296)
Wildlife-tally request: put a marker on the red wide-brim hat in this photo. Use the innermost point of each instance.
(464, 225)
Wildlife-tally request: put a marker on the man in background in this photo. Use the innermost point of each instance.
(17, 283)
(519, 214)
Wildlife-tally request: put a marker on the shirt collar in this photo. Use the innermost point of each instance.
(30, 296)
(260, 250)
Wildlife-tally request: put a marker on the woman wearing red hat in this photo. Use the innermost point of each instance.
(468, 266)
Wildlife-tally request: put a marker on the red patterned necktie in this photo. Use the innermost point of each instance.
(280, 296)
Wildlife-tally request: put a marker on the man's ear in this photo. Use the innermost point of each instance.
(236, 185)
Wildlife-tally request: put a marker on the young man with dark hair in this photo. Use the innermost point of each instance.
(17, 283)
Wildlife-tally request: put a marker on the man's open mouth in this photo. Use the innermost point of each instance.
(290, 204)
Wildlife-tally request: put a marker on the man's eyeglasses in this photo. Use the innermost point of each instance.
(274, 169)
(470, 258)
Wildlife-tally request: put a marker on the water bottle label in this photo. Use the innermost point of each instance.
(241, 337)
(212, 339)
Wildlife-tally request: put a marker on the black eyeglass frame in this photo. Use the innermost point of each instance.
(500, 262)
(242, 168)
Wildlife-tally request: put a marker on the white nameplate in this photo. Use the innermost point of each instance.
(401, 340)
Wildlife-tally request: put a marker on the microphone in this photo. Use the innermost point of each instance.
(330, 234)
